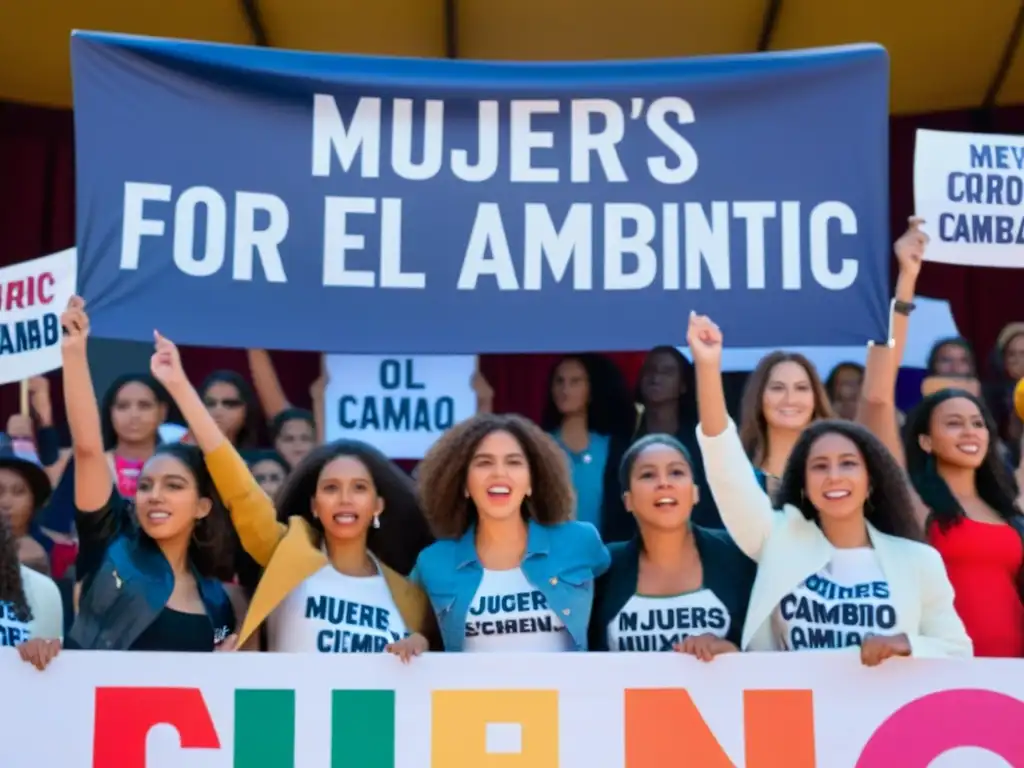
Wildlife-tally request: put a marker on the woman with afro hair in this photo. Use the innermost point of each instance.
(512, 571)
(841, 565)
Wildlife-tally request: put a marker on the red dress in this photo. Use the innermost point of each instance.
(983, 561)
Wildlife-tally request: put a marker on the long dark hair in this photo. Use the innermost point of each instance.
(403, 531)
(994, 483)
(214, 545)
(687, 406)
(888, 507)
(610, 410)
(110, 397)
(12, 590)
(248, 435)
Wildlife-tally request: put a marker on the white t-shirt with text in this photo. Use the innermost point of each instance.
(655, 624)
(838, 606)
(509, 615)
(333, 613)
(44, 600)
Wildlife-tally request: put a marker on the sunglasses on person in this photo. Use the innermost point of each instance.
(227, 402)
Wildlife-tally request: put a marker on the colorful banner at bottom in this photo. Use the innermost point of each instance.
(144, 710)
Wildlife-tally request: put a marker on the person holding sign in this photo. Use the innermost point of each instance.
(512, 571)
(842, 565)
(590, 414)
(148, 569)
(331, 582)
(677, 586)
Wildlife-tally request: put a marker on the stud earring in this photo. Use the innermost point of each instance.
(376, 521)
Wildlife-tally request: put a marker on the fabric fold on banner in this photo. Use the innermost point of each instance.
(248, 197)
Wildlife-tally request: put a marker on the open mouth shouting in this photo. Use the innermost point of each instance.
(666, 502)
(499, 492)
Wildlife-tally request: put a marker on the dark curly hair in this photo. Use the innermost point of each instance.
(214, 548)
(248, 435)
(687, 403)
(403, 531)
(753, 426)
(888, 508)
(110, 397)
(441, 480)
(610, 410)
(12, 590)
(993, 481)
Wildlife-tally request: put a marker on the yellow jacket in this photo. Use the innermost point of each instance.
(289, 554)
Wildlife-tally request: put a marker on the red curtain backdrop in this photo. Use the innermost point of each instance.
(37, 217)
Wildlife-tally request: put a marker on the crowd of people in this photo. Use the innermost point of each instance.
(623, 522)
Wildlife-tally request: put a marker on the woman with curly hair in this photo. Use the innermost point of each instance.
(332, 579)
(842, 565)
(677, 586)
(783, 395)
(149, 569)
(967, 502)
(590, 414)
(512, 570)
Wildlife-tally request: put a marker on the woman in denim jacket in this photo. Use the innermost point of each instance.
(512, 571)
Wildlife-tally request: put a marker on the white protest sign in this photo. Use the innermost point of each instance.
(932, 320)
(524, 710)
(969, 189)
(398, 403)
(32, 296)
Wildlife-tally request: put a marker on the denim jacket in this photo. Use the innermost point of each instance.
(127, 581)
(562, 561)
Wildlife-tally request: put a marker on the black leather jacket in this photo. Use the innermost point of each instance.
(127, 581)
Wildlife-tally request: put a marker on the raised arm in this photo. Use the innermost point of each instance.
(93, 481)
(745, 508)
(252, 511)
(266, 383)
(877, 407)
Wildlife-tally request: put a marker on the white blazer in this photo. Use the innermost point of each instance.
(788, 548)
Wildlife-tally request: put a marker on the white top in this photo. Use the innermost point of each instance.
(837, 606)
(47, 608)
(788, 547)
(333, 613)
(508, 615)
(657, 623)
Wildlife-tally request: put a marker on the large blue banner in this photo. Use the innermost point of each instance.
(248, 197)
